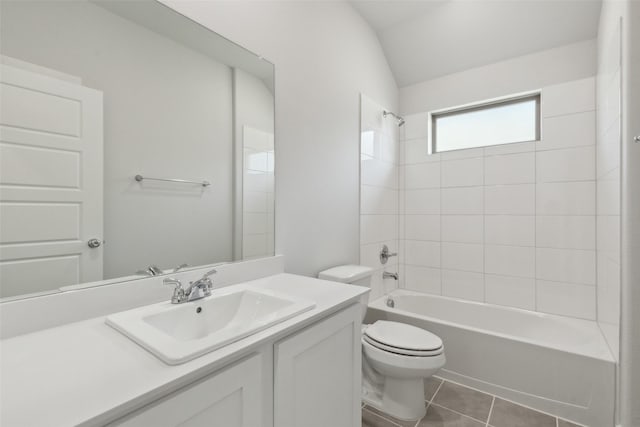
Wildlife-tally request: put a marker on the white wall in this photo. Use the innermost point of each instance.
(167, 113)
(325, 55)
(511, 225)
(379, 192)
(565, 63)
(630, 337)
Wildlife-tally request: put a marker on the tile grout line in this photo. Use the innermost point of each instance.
(440, 244)
(493, 401)
(437, 390)
(535, 223)
(458, 413)
(382, 416)
(452, 410)
(484, 225)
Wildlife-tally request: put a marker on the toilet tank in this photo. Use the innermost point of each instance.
(351, 274)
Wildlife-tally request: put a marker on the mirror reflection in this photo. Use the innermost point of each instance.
(133, 142)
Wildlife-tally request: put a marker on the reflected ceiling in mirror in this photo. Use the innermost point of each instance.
(97, 93)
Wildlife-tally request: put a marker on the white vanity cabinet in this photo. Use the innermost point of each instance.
(309, 378)
(232, 397)
(317, 376)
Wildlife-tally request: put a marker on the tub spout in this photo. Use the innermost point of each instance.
(387, 275)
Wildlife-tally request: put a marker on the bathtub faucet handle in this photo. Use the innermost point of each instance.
(385, 254)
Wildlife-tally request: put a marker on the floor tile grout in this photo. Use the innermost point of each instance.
(382, 417)
(431, 402)
(493, 400)
(437, 390)
(459, 413)
(502, 398)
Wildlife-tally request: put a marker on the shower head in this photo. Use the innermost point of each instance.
(399, 119)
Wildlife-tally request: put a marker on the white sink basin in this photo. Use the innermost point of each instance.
(177, 333)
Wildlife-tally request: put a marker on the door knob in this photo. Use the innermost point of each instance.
(94, 243)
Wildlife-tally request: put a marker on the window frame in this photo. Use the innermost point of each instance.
(478, 106)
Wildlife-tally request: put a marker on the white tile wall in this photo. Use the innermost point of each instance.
(513, 224)
(463, 228)
(422, 201)
(566, 198)
(512, 230)
(566, 265)
(257, 194)
(423, 227)
(462, 201)
(571, 232)
(608, 149)
(379, 194)
(519, 199)
(571, 164)
(572, 130)
(510, 291)
(422, 253)
(568, 299)
(518, 261)
(567, 98)
(462, 256)
(510, 169)
(378, 200)
(423, 279)
(463, 284)
(463, 172)
(422, 175)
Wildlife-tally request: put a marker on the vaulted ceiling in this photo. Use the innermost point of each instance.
(431, 38)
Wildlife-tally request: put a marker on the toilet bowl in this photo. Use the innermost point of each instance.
(396, 360)
(396, 357)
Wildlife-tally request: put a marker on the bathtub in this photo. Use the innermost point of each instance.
(554, 364)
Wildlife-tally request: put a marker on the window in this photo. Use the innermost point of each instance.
(504, 121)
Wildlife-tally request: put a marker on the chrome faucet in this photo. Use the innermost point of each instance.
(201, 288)
(152, 270)
(387, 275)
(385, 254)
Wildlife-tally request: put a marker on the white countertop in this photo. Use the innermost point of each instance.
(88, 373)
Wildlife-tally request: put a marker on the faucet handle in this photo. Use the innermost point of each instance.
(206, 278)
(385, 254)
(180, 267)
(209, 273)
(172, 281)
(178, 290)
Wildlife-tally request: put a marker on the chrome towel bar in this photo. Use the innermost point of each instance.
(139, 178)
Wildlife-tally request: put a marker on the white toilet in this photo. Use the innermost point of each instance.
(396, 357)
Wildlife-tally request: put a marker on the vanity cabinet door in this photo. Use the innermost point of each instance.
(229, 398)
(317, 378)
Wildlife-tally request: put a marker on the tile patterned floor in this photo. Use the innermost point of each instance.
(452, 405)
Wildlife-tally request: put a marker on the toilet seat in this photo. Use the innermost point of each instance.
(402, 339)
(402, 351)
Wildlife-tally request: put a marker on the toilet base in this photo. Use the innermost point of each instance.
(400, 398)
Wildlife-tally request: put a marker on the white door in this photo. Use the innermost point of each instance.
(231, 398)
(317, 378)
(51, 177)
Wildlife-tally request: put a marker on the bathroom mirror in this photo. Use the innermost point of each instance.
(133, 142)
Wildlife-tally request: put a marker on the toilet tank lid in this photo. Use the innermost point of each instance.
(346, 273)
